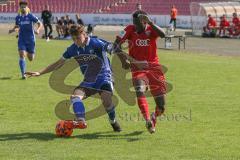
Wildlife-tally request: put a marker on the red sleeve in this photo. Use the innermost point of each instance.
(154, 34)
(125, 34)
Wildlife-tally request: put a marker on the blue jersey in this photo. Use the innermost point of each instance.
(93, 60)
(26, 25)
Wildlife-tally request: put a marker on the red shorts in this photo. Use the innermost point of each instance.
(153, 77)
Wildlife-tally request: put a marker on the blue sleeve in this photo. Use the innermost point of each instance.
(17, 21)
(34, 18)
(67, 53)
(105, 46)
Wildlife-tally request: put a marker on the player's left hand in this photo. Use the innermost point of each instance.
(37, 32)
(10, 31)
(144, 18)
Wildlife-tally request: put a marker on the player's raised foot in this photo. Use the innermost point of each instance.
(150, 127)
(79, 124)
(116, 126)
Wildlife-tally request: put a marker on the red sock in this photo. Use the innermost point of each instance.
(143, 106)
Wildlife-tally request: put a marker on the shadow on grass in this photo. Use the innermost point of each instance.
(24, 136)
(50, 136)
(130, 137)
(5, 78)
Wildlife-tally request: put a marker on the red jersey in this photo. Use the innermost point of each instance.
(224, 23)
(142, 46)
(174, 13)
(212, 22)
(235, 21)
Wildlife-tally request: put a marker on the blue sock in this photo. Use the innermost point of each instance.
(78, 108)
(111, 114)
(22, 65)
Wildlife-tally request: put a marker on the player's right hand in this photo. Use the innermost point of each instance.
(126, 65)
(32, 74)
(10, 31)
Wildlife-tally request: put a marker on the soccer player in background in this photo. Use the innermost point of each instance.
(60, 27)
(47, 18)
(224, 25)
(26, 40)
(68, 23)
(211, 24)
(173, 16)
(79, 20)
(100, 83)
(144, 63)
(138, 6)
(235, 27)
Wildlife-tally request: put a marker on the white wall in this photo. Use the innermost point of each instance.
(110, 19)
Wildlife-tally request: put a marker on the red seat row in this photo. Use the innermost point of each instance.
(102, 6)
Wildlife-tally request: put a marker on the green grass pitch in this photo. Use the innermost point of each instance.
(201, 123)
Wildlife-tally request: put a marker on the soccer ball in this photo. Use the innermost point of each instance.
(64, 128)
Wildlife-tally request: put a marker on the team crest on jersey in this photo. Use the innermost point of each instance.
(91, 51)
(122, 34)
(148, 33)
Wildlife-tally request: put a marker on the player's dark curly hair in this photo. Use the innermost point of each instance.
(136, 13)
(75, 30)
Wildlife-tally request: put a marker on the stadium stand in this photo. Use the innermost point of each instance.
(102, 6)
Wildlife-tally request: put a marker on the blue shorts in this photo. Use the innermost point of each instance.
(26, 46)
(100, 85)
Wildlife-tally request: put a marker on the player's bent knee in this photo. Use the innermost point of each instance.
(30, 57)
(21, 54)
(140, 90)
(76, 97)
(78, 93)
(106, 99)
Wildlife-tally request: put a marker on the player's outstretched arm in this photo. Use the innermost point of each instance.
(13, 29)
(54, 66)
(126, 60)
(122, 56)
(146, 19)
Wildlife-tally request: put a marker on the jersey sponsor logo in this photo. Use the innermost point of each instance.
(143, 42)
(91, 51)
(25, 22)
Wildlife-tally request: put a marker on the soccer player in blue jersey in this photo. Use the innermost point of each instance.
(91, 54)
(26, 40)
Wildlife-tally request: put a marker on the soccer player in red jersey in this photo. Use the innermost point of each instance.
(144, 63)
(224, 25)
(235, 28)
(211, 24)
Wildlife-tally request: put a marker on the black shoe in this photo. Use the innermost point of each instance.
(150, 127)
(116, 127)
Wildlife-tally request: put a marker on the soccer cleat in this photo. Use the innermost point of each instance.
(79, 124)
(47, 39)
(24, 77)
(116, 126)
(150, 127)
(153, 119)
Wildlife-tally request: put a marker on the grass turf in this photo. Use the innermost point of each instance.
(201, 122)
